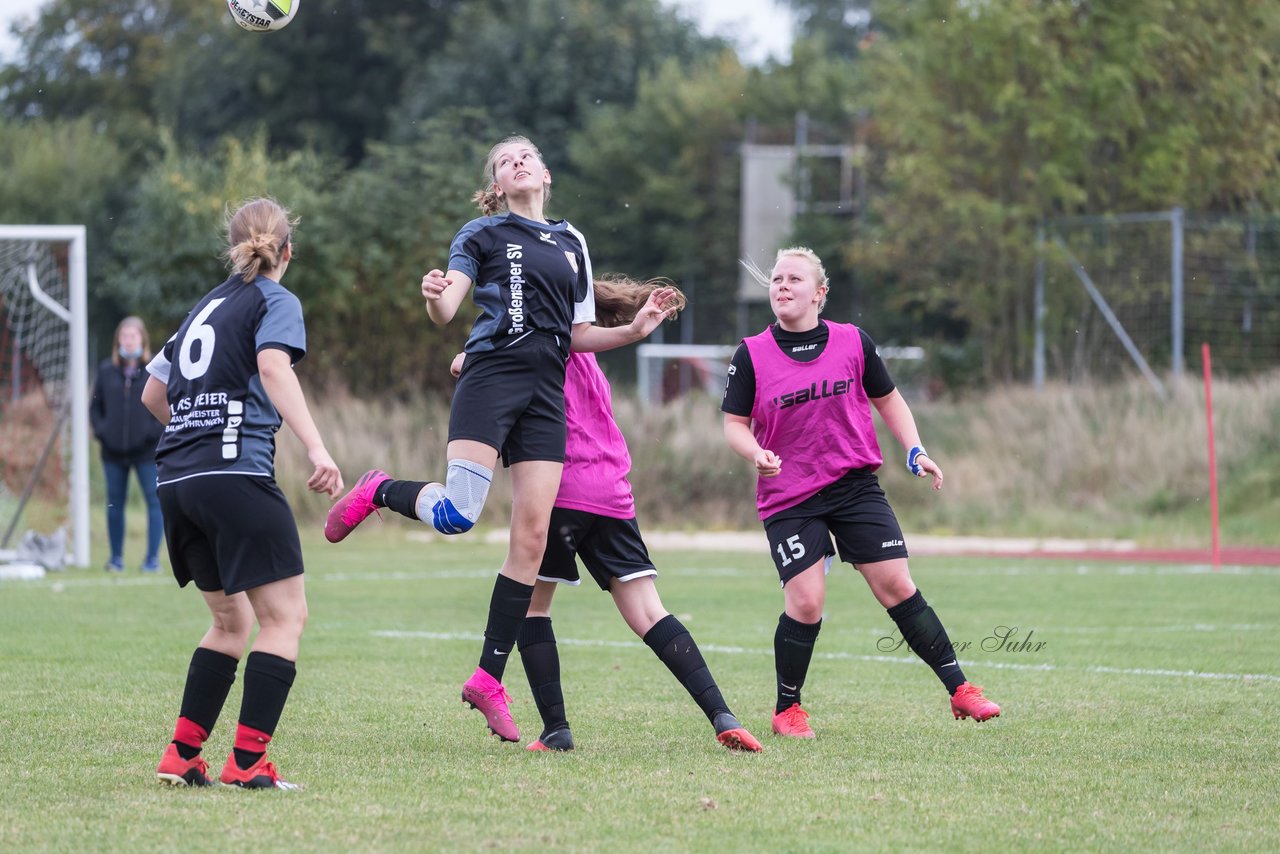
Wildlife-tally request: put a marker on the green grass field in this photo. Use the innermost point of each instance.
(1148, 719)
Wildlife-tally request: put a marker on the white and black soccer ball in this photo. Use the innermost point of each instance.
(263, 16)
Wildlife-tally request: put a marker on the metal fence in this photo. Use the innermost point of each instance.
(1142, 291)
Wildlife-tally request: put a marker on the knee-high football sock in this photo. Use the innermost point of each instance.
(792, 651)
(400, 496)
(267, 680)
(507, 607)
(542, 665)
(209, 678)
(673, 645)
(923, 632)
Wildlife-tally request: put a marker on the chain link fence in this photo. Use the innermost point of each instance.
(1141, 292)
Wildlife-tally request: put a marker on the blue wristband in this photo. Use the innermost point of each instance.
(916, 452)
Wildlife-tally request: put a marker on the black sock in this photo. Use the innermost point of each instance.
(209, 679)
(507, 607)
(267, 680)
(671, 642)
(542, 665)
(923, 632)
(400, 496)
(792, 651)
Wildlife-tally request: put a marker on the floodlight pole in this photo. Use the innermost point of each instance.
(1213, 461)
(1176, 225)
(1037, 369)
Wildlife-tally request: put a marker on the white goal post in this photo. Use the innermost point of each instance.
(705, 364)
(705, 367)
(47, 334)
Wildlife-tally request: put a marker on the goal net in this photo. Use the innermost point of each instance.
(44, 407)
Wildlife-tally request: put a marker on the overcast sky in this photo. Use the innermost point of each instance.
(760, 28)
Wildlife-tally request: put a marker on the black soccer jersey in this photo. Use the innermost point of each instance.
(221, 420)
(527, 276)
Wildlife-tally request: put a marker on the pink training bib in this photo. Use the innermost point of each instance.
(814, 415)
(596, 459)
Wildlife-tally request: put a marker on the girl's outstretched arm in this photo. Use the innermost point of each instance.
(589, 338)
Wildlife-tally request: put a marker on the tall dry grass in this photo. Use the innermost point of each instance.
(404, 437)
(1109, 460)
(683, 474)
(1100, 461)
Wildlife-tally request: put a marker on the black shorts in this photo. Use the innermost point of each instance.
(513, 400)
(229, 532)
(610, 548)
(853, 510)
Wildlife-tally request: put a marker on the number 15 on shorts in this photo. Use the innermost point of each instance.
(795, 547)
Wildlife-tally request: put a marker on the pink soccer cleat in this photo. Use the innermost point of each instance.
(739, 739)
(176, 771)
(485, 693)
(354, 507)
(260, 775)
(968, 702)
(793, 721)
(734, 735)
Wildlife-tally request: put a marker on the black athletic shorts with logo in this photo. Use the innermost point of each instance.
(229, 532)
(853, 510)
(610, 548)
(512, 399)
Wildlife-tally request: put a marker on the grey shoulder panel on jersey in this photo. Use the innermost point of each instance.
(461, 251)
(282, 322)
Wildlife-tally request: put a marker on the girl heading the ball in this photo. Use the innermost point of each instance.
(530, 278)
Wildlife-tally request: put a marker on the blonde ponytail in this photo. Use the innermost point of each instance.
(488, 201)
(257, 234)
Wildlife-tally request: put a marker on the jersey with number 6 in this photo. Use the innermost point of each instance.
(221, 420)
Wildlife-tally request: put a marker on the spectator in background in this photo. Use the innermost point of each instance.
(128, 434)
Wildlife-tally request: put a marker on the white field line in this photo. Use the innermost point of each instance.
(922, 544)
(408, 575)
(1193, 627)
(1050, 629)
(1118, 569)
(59, 582)
(848, 656)
(763, 568)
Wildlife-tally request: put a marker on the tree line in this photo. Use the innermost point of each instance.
(971, 120)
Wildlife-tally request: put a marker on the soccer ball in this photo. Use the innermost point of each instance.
(262, 16)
